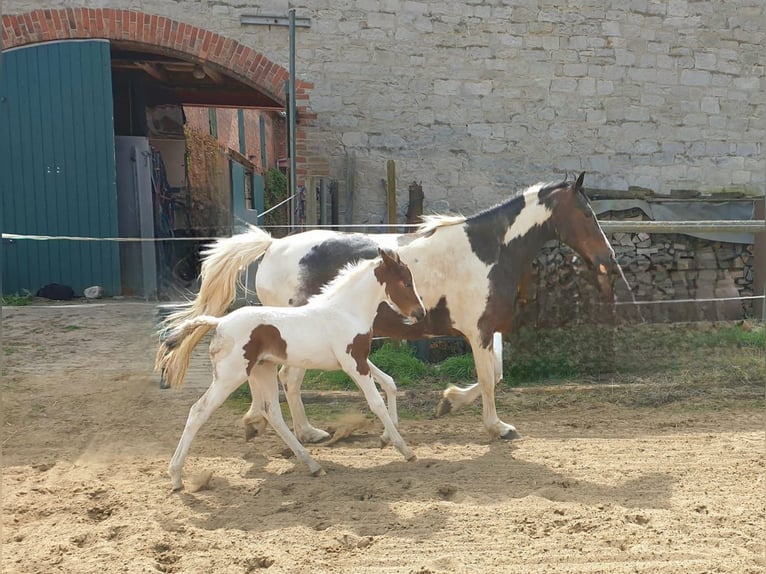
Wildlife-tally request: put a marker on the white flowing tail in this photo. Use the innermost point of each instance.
(222, 266)
(175, 351)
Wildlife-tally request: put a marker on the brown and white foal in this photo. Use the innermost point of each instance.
(332, 331)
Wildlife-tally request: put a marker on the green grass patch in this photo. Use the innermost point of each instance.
(560, 354)
(394, 358)
(16, 300)
(457, 369)
(399, 361)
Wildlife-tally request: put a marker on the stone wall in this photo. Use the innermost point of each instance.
(476, 98)
(671, 276)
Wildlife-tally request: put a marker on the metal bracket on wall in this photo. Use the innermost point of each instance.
(266, 20)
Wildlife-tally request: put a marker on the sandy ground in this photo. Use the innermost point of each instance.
(88, 433)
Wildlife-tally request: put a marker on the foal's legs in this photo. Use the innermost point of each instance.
(366, 383)
(253, 419)
(292, 378)
(388, 385)
(265, 388)
(225, 381)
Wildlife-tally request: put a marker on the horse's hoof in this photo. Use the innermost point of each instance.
(318, 472)
(512, 434)
(444, 407)
(178, 488)
(250, 432)
(412, 458)
(316, 436)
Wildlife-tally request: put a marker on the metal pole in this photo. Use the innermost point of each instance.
(291, 114)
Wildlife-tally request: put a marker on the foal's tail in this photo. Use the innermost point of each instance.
(175, 351)
(222, 266)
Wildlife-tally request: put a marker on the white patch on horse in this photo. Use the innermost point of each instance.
(533, 214)
(433, 269)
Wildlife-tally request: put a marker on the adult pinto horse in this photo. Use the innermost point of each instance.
(468, 272)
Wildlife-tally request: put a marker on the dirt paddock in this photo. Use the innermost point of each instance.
(88, 433)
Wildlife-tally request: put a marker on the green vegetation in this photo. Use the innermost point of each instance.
(539, 356)
(635, 366)
(275, 191)
(396, 359)
(16, 300)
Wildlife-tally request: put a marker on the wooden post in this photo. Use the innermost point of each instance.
(391, 193)
(334, 207)
(311, 202)
(415, 205)
(348, 216)
(323, 202)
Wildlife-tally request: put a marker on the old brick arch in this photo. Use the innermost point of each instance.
(164, 35)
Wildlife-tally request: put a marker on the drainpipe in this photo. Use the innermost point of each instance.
(291, 115)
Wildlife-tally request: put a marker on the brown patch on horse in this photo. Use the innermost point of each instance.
(437, 322)
(265, 340)
(359, 349)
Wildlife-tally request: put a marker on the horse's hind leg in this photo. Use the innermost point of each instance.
(388, 385)
(224, 383)
(264, 377)
(292, 378)
(253, 420)
(454, 398)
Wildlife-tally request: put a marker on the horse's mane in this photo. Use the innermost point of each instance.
(535, 189)
(346, 274)
(432, 222)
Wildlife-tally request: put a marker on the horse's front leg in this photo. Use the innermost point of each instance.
(366, 383)
(292, 379)
(388, 385)
(263, 377)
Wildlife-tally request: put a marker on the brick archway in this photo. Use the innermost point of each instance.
(164, 35)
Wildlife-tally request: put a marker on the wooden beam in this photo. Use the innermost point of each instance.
(213, 75)
(153, 71)
(211, 96)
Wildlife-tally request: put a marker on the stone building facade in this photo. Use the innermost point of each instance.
(477, 98)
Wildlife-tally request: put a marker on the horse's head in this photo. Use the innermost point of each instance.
(397, 280)
(574, 223)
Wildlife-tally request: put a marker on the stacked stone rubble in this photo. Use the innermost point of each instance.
(673, 277)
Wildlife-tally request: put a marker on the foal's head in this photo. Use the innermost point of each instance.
(575, 224)
(397, 280)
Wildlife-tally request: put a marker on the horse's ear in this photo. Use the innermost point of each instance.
(388, 255)
(578, 183)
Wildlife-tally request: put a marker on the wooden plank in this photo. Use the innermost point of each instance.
(391, 193)
(348, 216)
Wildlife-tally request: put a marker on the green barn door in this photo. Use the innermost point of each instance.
(57, 166)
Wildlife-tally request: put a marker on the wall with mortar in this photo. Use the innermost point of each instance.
(476, 98)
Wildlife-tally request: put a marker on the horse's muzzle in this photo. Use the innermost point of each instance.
(416, 316)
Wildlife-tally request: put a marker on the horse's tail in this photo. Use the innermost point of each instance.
(175, 351)
(222, 266)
